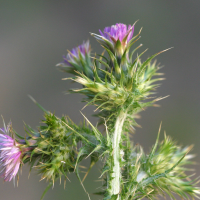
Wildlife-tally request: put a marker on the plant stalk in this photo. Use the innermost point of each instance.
(116, 138)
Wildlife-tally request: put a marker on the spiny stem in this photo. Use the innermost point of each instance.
(116, 138)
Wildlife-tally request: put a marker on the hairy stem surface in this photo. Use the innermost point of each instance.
(116, 138)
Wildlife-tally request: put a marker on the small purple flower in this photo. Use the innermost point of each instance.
(118, 32)
(116, 38)
(10, 155)
(77, 53)
(78, 60)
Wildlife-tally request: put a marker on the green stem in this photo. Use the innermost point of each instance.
(116, 138)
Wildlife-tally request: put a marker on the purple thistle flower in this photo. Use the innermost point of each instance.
(116, 38)
(118, 32)
(10, 155)
(78, 60)
(77, 53)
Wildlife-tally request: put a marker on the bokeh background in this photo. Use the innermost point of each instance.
(35, 34)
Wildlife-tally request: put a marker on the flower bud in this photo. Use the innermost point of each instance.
(116, 38)
(78, 60)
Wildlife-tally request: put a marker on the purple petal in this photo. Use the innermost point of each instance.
(10, 156)
(118, 32)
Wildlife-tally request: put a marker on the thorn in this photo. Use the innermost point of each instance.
(156, 105)
(135, 22)
(84, 107)
(42, 178)
(140, 30)
(58, 65)
(29, 174)
(158, 99)
(34, 101)
(53, 184)
(65, 79)
(17, 180)
(165, 50)
(65, 183)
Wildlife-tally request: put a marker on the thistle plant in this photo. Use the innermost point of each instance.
(120, 85)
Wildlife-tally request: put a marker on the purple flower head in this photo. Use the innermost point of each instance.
(77, 53)
(118, 32)
(116, 38)
(10, 155)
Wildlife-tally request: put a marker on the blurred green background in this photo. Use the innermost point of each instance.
(35, 34)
